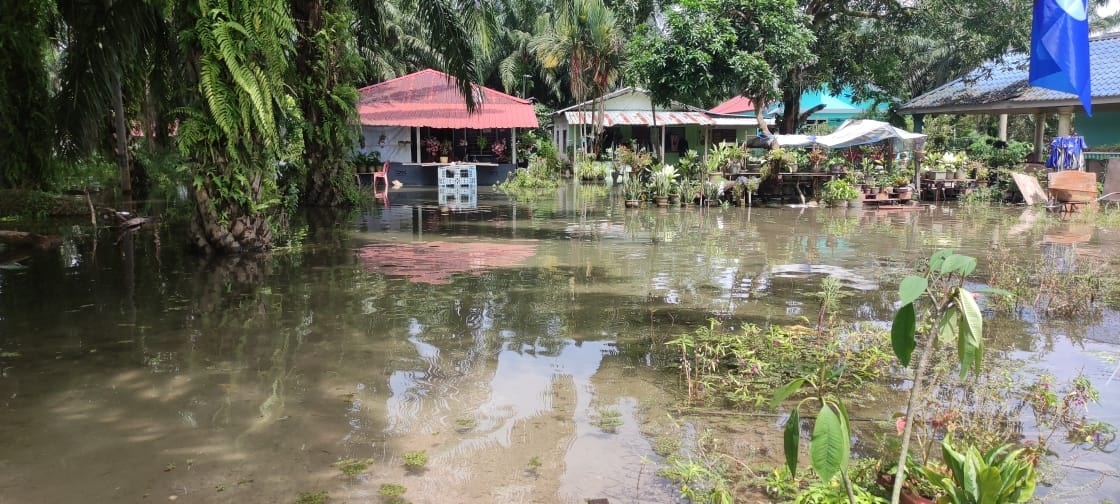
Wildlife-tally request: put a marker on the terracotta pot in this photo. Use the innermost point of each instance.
(633, 203)
(661, 201)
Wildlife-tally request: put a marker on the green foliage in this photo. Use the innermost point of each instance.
(608, 420)
(632, 188)
(391, 490)
(589, 169)
(712, 49)
(744, 367)
(689, 165)
(320, 497)
(415, 460)
(956, 307)
(699, 480)
(538, 176)
(837, 190)
(353, 467)
(247, 122)
(999, 475)
(26, 136)
(833, 492)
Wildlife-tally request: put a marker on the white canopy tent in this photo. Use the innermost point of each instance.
(856, 132)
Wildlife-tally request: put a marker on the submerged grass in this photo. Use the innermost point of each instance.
(1060, 283)
(743, 368)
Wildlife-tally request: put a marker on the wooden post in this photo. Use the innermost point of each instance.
(1003, 127)
(1039, 135)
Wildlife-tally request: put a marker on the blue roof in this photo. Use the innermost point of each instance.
(840, 104)
(1002, 85)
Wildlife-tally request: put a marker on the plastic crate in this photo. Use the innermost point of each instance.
(458, 198)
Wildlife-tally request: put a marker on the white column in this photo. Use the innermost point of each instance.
(1065, 121)
(513, 145)
(1003, 127)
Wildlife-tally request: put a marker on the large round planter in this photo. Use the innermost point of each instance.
(905, 194)
(661, 201)
(714, 176)
(674, 199)
(633, 203)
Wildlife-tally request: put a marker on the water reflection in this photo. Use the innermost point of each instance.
(486, 337)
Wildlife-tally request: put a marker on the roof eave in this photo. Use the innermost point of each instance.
(1006, 107)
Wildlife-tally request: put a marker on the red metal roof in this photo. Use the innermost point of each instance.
(736, 105)
(633, 117)
(430, 98)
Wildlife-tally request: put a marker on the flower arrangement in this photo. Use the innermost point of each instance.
(499, 149)
(432, 146)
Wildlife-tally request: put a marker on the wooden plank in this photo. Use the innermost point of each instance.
(1070, 186)
(1030, 189)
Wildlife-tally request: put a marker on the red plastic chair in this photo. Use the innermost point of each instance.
(382, 174)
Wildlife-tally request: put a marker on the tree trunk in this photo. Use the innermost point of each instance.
(240, 232)
(791, 100)
(758, 110)
(120, 124)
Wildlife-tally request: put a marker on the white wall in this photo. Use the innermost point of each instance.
(398, 146)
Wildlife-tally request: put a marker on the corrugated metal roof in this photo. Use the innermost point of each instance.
(1003, 85)
(736, 105)
(430, 98)
(663, 118)
(736, 121)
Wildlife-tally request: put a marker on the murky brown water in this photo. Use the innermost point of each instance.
(494, 339)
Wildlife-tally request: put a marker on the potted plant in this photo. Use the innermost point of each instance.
(752, 184)
(444, 150)
(432, 147)
(778, 159)
(816, 158)
(838, 191)
(712, 191)
(690, 190)
(499, 149)
(661, 184)
(632, 190)
(481, 142)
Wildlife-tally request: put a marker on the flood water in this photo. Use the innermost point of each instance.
(496, 339)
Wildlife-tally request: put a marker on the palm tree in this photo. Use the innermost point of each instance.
(108, 49)
(25, 129)
(244, 120)
(583, 43)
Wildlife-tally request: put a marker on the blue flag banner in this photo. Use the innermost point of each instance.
(1060, 48)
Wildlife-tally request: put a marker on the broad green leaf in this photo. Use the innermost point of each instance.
(782, 393)
(911, 288)
(830, 447)
(792, 441)
(957, 263)
(947, 328)
(902, 333)
(937, 258)
(971, 332)
(988, 486)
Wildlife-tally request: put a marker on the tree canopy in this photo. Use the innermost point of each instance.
(714, 49)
